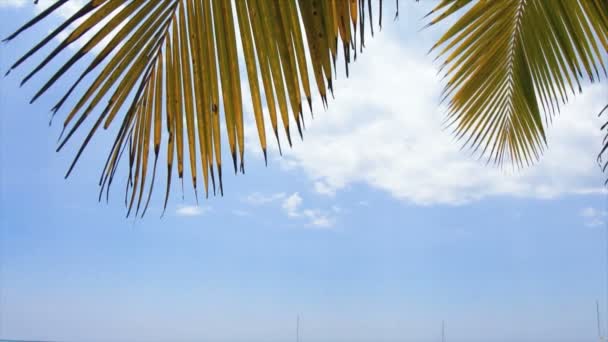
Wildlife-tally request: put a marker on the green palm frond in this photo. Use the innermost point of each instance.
(510, 64)
(168, 70)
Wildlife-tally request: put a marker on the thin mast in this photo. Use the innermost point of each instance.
(599, 325)
(298, 329)
(442, 331)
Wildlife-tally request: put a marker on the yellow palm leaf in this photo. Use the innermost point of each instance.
(176, 59)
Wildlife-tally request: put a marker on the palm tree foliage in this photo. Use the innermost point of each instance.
(603, 163)
(508, 59)
(178, 60)
(168, 70)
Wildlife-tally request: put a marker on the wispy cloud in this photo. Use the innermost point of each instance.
(13, 3)
(64, 12)
(323, 188)
(291, 205)
(316, 218)
(594, 217)
(258, 198)
(192, 210)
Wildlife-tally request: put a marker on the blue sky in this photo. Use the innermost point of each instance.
(375, 228)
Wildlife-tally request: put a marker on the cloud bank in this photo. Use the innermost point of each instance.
(384, 130)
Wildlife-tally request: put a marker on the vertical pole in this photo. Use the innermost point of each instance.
(599, 327)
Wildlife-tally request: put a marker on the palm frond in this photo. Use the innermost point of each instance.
(602, 161)
(168, 70)
(511, 64)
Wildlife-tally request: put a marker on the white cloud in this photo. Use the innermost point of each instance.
(324, 189)
(65, 11)
(14, 3)
(291, 205)
(258, 198)
(588, 212)
(594, 217)
(384, 130)
(192, 210)
(316, 218)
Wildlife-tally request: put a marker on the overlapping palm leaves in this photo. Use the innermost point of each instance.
(168, 72)
(171, 69)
